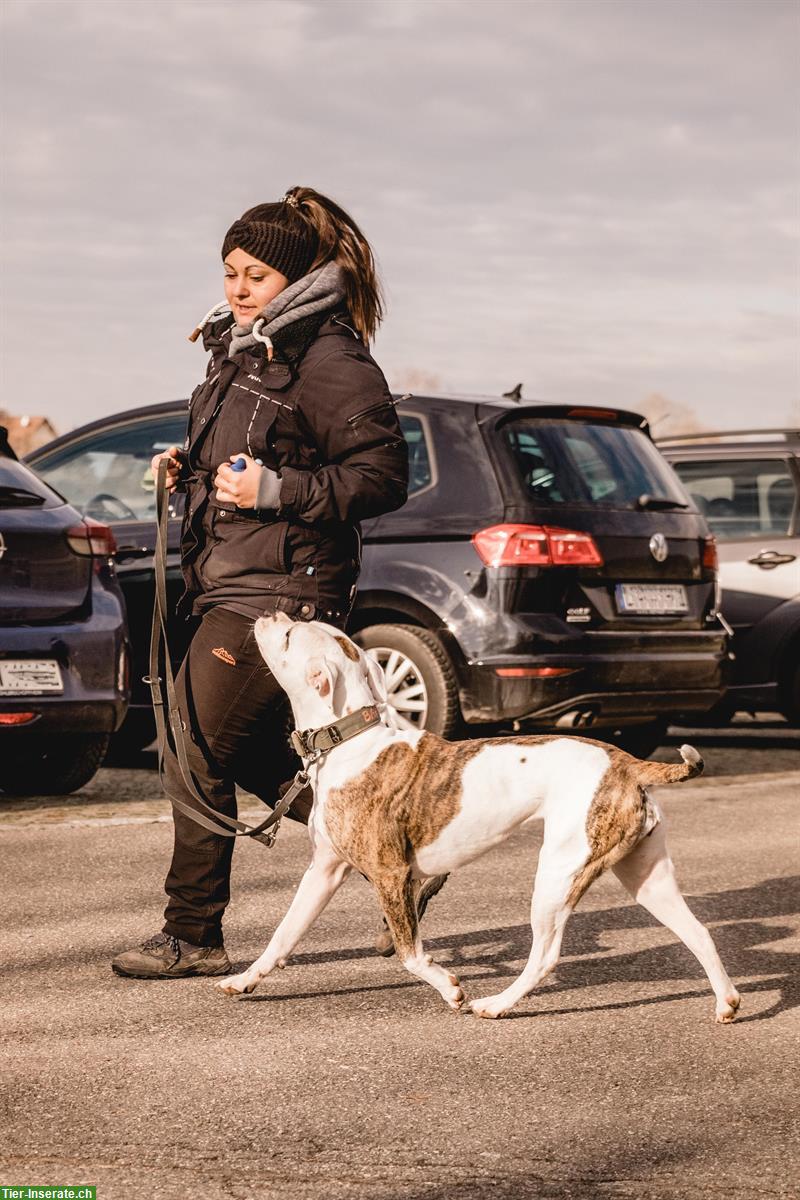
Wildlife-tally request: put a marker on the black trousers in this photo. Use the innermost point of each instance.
(235, 715)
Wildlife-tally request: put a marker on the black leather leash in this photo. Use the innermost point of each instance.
(205, 814)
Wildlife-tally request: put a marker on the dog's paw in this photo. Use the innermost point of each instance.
(728, 1011)
(453, 995)
(489, 1007)
(235, 985)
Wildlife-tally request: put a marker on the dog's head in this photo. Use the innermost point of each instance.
(324, 673)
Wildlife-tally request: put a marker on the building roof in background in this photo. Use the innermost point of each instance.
(27, 433)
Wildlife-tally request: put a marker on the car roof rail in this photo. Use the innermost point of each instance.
(675, 439)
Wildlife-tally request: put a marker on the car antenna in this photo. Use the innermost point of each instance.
(514, 394)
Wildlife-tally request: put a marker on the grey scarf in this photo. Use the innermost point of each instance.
(317, 291)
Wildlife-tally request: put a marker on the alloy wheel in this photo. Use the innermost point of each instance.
(405, 687)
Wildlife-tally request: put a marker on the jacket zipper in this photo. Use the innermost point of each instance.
(367, 412)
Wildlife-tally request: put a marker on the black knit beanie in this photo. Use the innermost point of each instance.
(277, 235)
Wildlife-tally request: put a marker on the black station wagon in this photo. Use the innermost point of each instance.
(548, 570)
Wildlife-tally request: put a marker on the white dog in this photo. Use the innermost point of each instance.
(401, 806)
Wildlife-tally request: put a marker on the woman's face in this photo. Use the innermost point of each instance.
(250, 285)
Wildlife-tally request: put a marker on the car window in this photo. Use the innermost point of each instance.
(420, 468)
(741, 498)
(580, 463)
(106, 475)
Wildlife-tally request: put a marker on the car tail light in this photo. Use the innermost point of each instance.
(537, 546)
(533, 672)
(17, 718)
(92, 539)
(710, 556)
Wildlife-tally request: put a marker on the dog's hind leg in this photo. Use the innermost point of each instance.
(396, 892)
(648, 874)
(323, 878)
(550, 908)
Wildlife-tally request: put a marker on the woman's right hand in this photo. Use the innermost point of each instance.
(174, 458)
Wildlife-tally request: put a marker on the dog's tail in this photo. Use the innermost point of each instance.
(654, 772)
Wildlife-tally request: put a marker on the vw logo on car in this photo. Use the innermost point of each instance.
(659, 547)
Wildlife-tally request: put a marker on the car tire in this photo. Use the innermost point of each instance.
(135, 733)
(639, 740)
(61, 764)
(429, 680)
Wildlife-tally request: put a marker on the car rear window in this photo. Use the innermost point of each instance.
(20, 488)
(575, 462)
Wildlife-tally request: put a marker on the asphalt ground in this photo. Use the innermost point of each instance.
(343, 1077)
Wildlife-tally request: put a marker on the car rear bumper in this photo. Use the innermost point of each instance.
(94, 658)
(615, 678)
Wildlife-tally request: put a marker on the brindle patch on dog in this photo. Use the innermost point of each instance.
(401, 802)
(615, 821)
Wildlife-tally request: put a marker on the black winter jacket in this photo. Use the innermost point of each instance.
(322, 415)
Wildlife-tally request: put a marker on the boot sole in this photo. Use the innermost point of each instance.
(198, 972)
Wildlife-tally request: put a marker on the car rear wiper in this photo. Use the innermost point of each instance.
(648, 501)
(12, 497)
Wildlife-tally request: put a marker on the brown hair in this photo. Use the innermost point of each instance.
(340, 240)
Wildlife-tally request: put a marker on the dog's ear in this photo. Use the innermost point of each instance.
(375, 678)
(321, 675)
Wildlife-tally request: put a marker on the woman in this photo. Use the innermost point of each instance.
(292, 390)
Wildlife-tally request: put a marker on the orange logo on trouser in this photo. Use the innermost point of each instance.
(225, 655)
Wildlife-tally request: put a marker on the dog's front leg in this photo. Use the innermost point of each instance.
(323, 878)
(396, 893)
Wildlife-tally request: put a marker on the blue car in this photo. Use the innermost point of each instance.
(64, 650)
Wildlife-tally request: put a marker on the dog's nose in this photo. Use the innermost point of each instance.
(263, 623)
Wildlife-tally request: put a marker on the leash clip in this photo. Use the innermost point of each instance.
(298, 741)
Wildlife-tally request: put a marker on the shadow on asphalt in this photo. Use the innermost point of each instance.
(744, 945)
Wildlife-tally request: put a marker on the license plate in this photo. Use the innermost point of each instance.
(29, 676)
(659, 598)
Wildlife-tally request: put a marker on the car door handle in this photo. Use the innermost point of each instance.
(771, 558)
(132, 552)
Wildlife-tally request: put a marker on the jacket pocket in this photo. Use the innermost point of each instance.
(246, 554)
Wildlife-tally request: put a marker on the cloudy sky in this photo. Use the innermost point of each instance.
(597, 197)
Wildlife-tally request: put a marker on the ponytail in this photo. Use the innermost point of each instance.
(341, 241)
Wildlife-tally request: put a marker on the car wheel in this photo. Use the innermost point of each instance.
(638, 740)
(61, 764)
(420, 681)
(136, 731)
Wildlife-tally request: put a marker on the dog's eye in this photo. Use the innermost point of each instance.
(286, 640)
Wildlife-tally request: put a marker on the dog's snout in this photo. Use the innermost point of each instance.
(271, 619)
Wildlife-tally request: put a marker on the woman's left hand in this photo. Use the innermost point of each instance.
(238, 487)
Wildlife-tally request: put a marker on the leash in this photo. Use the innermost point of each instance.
(170, 722)
(310, 744)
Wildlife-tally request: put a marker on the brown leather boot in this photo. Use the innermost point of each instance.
(167, 957)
